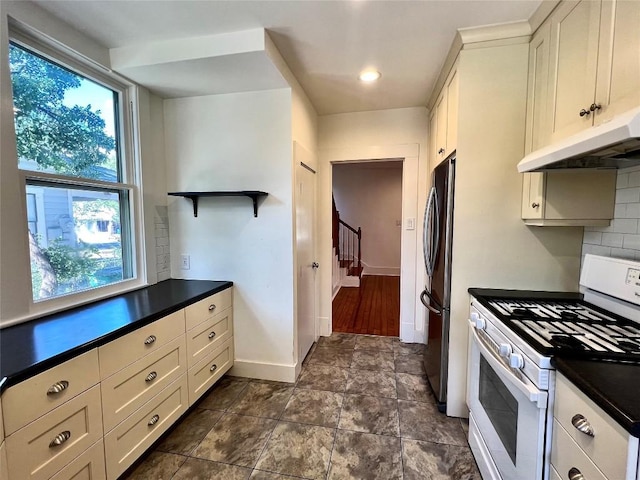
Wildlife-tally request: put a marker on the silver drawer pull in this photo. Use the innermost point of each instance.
(60, 439)
(153, 420)
(213, 368)
(151, 377)
(58, 387)
(211, 335)
(150, 339)
(575, 474)
(582, 424)
(212, 307)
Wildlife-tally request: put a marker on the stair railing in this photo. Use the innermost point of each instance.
(350, 243)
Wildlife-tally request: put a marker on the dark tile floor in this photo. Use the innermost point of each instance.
(361, 409)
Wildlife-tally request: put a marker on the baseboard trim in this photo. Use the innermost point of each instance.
(382, 271)
(265, 371)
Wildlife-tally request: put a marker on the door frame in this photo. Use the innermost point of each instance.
(411, 275)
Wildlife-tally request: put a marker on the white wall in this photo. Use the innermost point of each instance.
(373, 135)
(238, 142)
(621, 238)
(369, 195)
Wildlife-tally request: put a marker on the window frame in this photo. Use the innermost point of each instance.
(129, 175)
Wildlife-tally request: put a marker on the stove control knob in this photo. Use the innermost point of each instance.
(516, 361)
(505, 350)
(478, 321)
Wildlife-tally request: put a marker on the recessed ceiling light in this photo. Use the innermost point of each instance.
(370, 75)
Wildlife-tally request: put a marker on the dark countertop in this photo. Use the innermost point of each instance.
(611, 386)
(32, 347)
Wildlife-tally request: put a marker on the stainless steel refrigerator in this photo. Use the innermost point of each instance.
(437, 242)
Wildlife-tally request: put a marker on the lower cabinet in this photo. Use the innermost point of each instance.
(43, 447)
(125, 443)
(588, 443)
(207, 372)
(93, 416)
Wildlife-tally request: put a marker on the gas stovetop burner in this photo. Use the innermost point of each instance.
(564, 342)
(569, 327)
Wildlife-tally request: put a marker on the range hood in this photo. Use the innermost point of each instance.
(614, 144)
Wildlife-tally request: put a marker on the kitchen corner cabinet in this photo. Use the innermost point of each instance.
(588, 443)
(569, 198)
(443, 124)
(95, 414)
(594, 65)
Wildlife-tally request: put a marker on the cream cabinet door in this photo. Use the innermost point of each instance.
(537, 133)
(452, 112)
(441, 120)
(572, 68)
(533, 195)
(618, 86)
(433, 138)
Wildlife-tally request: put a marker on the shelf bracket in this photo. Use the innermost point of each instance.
(255, 203)
(194, 200)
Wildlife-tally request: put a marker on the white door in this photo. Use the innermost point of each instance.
(305, 195)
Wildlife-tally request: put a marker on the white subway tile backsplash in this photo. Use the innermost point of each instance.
(612, 239)
(634, 179)
(632, 210)
(624, 253)
(161, 231)
(593, 238)
(622, 238)
(622, 180)
(625, 225)
(631, 242)
(620, 210)
(628, 195)
(596, 250)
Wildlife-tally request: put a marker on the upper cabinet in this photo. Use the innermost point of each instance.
(592, 70)
(443, 126)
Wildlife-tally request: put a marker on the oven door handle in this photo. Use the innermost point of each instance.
(526, 387)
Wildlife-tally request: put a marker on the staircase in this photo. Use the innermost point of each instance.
(347, 251)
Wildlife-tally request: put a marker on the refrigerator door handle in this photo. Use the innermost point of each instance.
(427, 303)
(430, 235)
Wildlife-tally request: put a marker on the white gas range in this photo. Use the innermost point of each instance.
(513, 337)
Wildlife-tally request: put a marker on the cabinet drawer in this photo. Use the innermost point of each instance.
(118, 354)
(125, 443)
(608, 447)
(88, 466)
(566, 454)
(48, 390)
(207, 336)
(126, 391)
(202, 310)
(75, 425)
(209, 370)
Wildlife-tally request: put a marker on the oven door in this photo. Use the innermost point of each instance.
(508, 415)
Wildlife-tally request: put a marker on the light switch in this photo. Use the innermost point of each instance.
(411, 223)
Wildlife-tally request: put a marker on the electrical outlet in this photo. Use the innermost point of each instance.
(186, 262)
(411, 223)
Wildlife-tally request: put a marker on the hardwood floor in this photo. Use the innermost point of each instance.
(374, 308)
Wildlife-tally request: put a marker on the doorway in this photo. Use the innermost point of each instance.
(411, 310)
(367, 228)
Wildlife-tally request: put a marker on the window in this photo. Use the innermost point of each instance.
(71, 152)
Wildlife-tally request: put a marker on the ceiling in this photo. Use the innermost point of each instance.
(325, 43)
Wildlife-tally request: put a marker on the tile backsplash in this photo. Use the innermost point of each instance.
(163, 264)
(622, 237)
